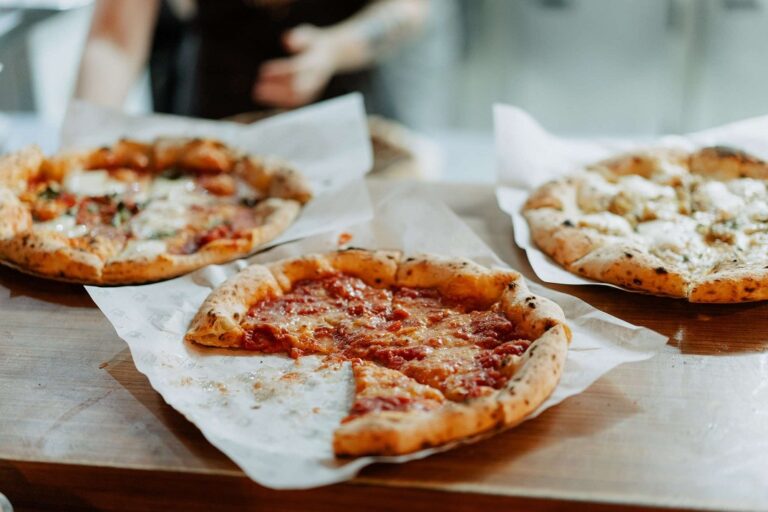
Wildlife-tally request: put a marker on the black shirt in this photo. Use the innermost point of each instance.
(206, 67)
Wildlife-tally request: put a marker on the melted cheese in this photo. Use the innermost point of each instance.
(168, 210)
(642, 188)
(93, 183)
(65, 225)
(727, 222)
(595, 192)
(182, 189)
(747, 188)
(715, 196)
(160, 218)
(606, 223)
(667, 170)
(143, 249)
(757, 211)
(676, 235)
(245, 191)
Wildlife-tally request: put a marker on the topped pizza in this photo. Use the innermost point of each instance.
(137, 212)
(689, 225)
(441, 349)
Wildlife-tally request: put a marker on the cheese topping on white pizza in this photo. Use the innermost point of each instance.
(698, 214)
(683, 220)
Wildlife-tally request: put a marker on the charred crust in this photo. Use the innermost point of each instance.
(549, 324)
(567, 223)
(408, 260)
(511, 286)
(377, 280)
(749, 289)
(660, 271)
(532, 305)
(637, 281)
(729, 152)
(628, 255)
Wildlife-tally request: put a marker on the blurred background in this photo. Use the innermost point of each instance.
(583, 68)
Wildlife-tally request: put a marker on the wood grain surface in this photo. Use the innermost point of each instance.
(81, 428)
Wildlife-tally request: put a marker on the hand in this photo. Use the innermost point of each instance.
(299, 79)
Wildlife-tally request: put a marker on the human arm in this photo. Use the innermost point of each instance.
(351, 45)
(116, 50)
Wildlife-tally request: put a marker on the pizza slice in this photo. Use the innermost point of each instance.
(442, 349)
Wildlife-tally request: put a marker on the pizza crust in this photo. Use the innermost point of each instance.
(50, 254)
(631, 267)
(725, 163)
(274, 178)
(217, 322)
(394, 432)
(14, 217)
(749, 283)
(586, 223)
(16, 168)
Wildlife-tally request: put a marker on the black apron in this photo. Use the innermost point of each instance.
(207, 66)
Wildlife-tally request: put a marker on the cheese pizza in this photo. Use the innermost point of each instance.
(441, 349)
(137, 212)
(688, 225)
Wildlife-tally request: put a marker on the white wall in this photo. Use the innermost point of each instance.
(615, 67)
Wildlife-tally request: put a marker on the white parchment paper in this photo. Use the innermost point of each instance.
(528, 156)
(327, 142)
(274, 416)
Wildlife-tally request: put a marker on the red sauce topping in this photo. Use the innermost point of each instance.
(344, 238)
(235, 223)
(367, 405)
(439, 342)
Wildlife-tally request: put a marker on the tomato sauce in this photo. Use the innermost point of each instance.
(407, 329)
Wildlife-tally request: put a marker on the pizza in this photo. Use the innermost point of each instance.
(667, 222)
(441, 349)
(137, 212)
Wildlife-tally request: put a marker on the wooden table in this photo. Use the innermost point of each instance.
(81, 429)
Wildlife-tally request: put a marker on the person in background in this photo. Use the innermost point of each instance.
(218, 58)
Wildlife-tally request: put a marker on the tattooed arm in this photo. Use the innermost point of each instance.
(376, 30)
(319, 53)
